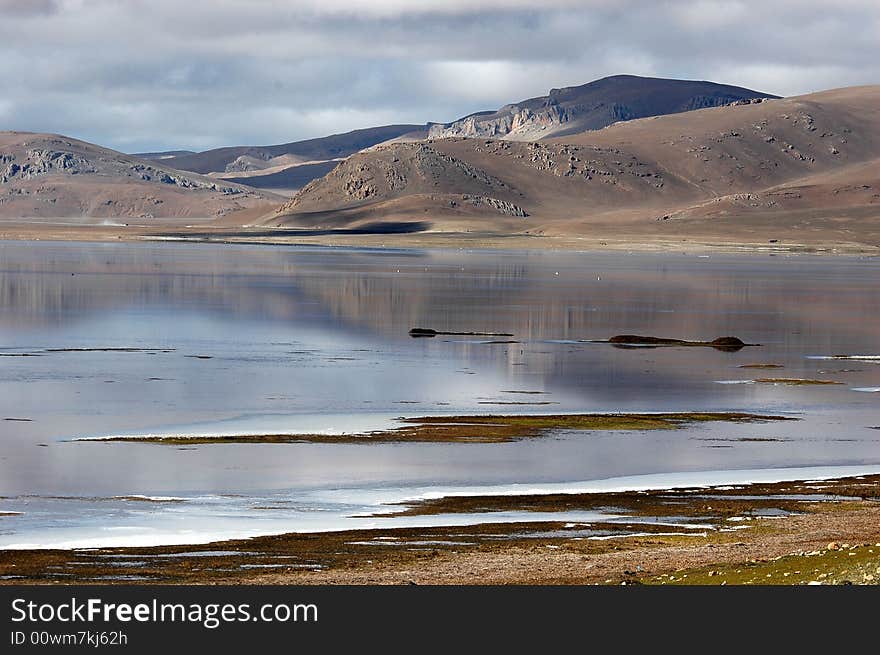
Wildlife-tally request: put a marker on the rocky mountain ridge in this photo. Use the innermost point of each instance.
(592, 106)
(749, 157)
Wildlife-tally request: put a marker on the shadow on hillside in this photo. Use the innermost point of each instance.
(378, 227)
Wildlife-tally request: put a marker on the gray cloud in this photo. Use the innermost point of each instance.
(165, 74)
(30, 8)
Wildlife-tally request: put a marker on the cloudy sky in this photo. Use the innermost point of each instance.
(159, 74)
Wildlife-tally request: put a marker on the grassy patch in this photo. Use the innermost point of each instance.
(841, 564)
(480, 429)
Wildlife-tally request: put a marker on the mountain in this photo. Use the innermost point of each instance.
(49, 175)
(591, 107)
(287, 167)
(773, 164)
(275, 166)
(286, 180)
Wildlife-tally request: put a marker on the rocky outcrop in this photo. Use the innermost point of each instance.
(592, 106)
(64, 159)
(247, 163)
(55, 176)
(38, 162)
(509, 120)
(588, 163)
(501, 206)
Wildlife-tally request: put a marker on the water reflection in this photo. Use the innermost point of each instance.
(209, 336)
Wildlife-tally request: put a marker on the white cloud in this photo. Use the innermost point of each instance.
(484, 80)
(151, 74)
(788, 79)
(709, 14)
(30, 8)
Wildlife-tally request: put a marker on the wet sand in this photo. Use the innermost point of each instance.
(820, 532)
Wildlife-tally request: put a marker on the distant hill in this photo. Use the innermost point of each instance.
(285, 179)
(591, 107)
(274, 167)
(759, 163)
(236, 159)
(49, 175)
(167, 154)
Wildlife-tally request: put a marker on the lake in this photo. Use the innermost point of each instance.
(101, 340)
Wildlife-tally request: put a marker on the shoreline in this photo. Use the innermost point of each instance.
(613, 241)
(801, 532)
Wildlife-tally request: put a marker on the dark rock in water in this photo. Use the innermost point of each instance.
(731, 349)
(423, 332)
(427, 332)
(636, 339)
(728, 341)
(727, 344)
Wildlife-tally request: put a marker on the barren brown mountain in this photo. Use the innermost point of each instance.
(50, 176)
(287, 167)
(803, 168)
(593, 106)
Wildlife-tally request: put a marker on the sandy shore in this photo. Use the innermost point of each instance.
(820, 532)
(613, 238)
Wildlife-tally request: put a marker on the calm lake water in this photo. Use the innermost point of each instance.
(221, 339)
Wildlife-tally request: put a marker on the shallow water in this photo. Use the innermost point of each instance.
(112, 339)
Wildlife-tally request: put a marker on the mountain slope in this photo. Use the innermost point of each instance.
(237, 159)
(592, 106)
(568, 110)
(48, 175)
(285, 180)
(634, 173)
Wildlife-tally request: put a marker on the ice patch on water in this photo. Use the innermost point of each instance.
(860, 358)
(658, 481)
(282, 424)
(204, 519)
(151, 499)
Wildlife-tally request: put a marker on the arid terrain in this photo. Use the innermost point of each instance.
(288, 167)
(52, 176)
(797, 173)
(802, 170)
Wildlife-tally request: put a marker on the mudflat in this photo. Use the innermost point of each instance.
(805, 532)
